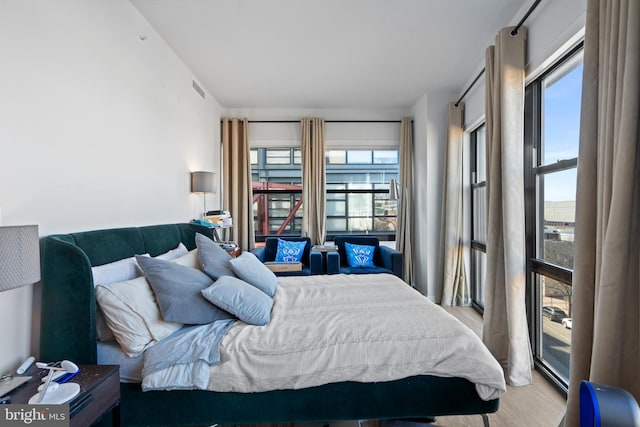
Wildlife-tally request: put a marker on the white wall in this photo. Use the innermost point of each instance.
(98, 129)
(430, 117)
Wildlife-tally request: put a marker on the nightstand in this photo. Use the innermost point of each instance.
(99, 393)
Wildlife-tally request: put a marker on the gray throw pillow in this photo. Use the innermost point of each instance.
(252, 270)
(213, 259)
(247, 302)
(178, 292)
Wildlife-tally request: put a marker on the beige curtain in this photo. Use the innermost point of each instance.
(237, 190)
(404, 225)
(313, 180)
(455, 288)
(605, 343)
(505, 330)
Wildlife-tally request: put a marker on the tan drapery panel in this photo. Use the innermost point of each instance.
(455, 288)
(236, 166)
(404, 223)
(505, 330)
(605, 343)
(313, 180)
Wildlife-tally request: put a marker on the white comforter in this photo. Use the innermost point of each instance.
(324, 329)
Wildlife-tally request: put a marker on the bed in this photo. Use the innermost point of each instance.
(68, 331)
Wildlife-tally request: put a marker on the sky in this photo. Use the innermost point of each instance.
(561, 123)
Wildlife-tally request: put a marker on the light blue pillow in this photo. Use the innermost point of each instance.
(213, 259)
(359, 255)
(289, 251)
(177, 290)
(241, 299)
(250, 269)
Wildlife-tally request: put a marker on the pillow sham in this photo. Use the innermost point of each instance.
(289, 251)
(180, 250)
(245, 301)
(177, 289)
(213, 259)
(250, 269)
(190, 259)
(113, 272)
(359, 255)
(117, 271)
(131, 312)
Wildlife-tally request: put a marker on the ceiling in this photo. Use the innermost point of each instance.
(329, 53)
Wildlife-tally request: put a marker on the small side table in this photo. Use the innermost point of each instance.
(99, 393)
(324, 250)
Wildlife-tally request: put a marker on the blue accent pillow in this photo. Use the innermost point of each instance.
(238, 297)
(177, 290)
(359, 255)
(289, 251)
(213, 259)
(250, 269)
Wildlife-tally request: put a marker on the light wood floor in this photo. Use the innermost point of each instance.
(536, 405)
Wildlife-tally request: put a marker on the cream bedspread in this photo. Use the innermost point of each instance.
(325, 329)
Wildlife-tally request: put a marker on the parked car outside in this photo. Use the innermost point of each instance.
(566, 322)
(555, 314)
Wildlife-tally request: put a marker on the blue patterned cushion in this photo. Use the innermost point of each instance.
(359, 255)
(289, 251)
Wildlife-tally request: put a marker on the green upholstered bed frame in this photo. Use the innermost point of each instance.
(68, 331)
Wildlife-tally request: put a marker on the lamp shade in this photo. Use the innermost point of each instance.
(19, 256)
(203, 182)
(393, 190)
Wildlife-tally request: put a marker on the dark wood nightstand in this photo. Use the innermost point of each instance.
(99, 393)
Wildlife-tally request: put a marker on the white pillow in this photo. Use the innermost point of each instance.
(180, 250)
(113, 272)
(190, 259)
(131, 312)
(117, 271)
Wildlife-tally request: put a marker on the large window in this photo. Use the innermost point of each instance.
(276, 177)
(478, 216)
(357, 183)
(552, 125)
(358, 192)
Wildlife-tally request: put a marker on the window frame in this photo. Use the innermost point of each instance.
(534, 215)
(475, 245)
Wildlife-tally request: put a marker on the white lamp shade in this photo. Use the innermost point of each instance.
(19, 256)
(203, 182)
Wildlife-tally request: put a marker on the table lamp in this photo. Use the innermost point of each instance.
(203, 182)
(19, 256)
(19, 266)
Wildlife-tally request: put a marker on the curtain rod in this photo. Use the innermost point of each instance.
(470, 86)
(513, 33)
(327, 121)
(524, 18)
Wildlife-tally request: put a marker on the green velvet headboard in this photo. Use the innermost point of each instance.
(68, 320)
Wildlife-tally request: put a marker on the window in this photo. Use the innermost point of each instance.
(276, 176)
(478, 216)
(552, 122)
(358, 192)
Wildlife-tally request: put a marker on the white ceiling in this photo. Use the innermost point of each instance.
(329, 53)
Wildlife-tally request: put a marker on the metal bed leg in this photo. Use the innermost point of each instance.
(485, 420)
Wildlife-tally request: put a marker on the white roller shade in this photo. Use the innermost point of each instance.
(369, 135)
(274, 135)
